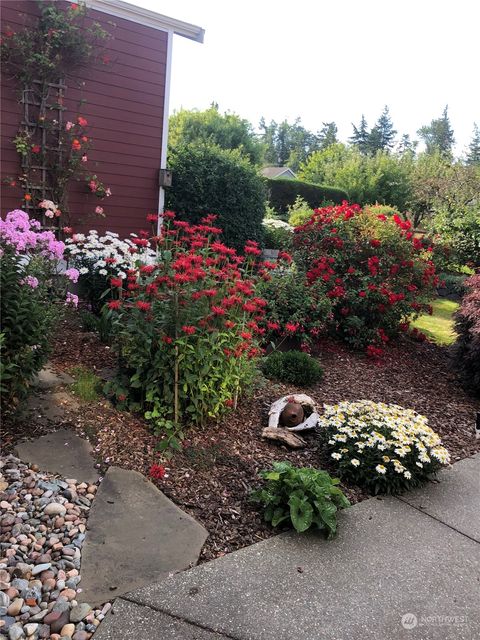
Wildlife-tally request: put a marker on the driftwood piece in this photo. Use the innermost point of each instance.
(283, 435)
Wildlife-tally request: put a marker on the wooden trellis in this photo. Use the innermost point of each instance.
(42, 124)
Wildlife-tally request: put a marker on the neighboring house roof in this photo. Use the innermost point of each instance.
(146, 17)
(278, 172)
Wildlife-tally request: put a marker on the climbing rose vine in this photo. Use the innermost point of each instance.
(376, 272)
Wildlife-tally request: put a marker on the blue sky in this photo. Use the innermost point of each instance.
(330, 60)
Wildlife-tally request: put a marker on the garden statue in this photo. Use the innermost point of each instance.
(289, 414)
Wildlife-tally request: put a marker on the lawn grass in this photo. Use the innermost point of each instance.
(439, 326)
(86, 385)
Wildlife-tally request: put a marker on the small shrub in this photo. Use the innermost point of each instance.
(302, 496)
(207, 179)
(294, 367)
(283, 193)
(385, 448)
(86, 385)
(466, 351)
(299, 212)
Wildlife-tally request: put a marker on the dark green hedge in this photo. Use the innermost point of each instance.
(207, 179)
(284, 192)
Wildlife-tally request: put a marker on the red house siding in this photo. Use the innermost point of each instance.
(124, 103)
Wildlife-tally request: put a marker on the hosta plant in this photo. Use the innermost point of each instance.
(383, 447)
(304, 497)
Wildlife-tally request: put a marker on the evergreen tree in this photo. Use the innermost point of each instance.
(287, 144)
(382, 136)
(361, 135)
(327, 135)
(473, 155)
(438, 135)
(406, 145)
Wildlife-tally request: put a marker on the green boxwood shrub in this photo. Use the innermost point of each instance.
(283, 193)
(208, 179)
(294, 367)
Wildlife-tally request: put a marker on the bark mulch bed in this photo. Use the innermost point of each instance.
(218, 467)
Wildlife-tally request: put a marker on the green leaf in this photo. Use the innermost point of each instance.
(301, 513)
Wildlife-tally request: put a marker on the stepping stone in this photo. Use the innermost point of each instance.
(131, 622)
(445, 500)
(135, 536)
(62, 452)
(51, 406)
(47, 378)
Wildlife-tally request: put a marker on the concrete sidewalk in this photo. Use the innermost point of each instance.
(399, 568)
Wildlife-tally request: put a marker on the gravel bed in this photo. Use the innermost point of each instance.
(42, 528)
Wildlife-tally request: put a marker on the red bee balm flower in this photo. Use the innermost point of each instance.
(116, 282)
(114, 304)
(157, 471)
(291, 327)
(188, 329)
(143, 306)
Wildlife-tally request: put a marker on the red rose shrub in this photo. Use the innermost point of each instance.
(376, 273)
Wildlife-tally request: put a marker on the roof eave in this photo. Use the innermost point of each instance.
(131, 12)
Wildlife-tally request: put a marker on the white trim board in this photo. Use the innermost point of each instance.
(127, 11)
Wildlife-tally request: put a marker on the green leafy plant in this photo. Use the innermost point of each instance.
(384, 448)
(86, 385)
(302, 496)
(294, 367)
(299, 212)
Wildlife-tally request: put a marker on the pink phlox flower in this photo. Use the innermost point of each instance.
(72, 274)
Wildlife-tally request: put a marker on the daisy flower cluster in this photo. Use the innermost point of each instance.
(384, 447)
(107, 255)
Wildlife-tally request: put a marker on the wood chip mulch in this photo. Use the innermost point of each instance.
(218, 467)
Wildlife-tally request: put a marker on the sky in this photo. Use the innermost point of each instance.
(330, 60)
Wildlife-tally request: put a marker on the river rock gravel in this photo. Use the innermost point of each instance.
(42, 528)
